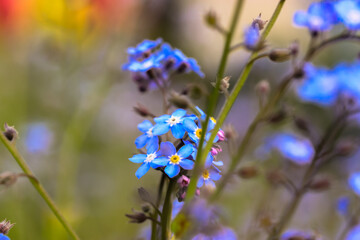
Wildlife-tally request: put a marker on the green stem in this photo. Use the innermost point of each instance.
(166, 212)
(11, 147)
(228, 104)
(214, 96)
(155, 214)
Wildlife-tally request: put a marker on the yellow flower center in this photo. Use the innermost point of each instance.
(206, 174)
(198, 132)
(174, 159)
(213, 120)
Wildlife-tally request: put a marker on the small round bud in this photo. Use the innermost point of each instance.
(183, 181)
(248, 172)
(280, 54)
(215, 150)
(146, 208)
(137, 217)
(10, 132)
(277, 116)
(211, 18)
(224, 84)
(221, 135)
(258, 22)
(301, 124)
(294, 47)
(262, 88)
(143, 111)
(8, 178)
(179, 101)
(320, 185)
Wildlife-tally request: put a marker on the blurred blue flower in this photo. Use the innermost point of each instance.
(296, 234)
(38, 138)
(342, 205)
(147, 160)
(3, 237)
(354, 233)
(251, 37)
(208, 177)
(176, 208)
(173, 122)
(223, 233)
(174, 160)
(320, 85)
(348, 76)
(348, 12)
(148, 138)
(291, 147)
(144, 48)
(354, 182)
(320, 16)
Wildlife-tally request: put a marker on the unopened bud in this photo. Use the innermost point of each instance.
(230, 132)
(10, 132)
(211, 18)
(221, 135)
(183, 181)
(7, 178)
(277, 116)
(5, 226)
(280, 54)
(224, 84)
(258, 22)
(143, 111)
(215, 150)
(180, 101)
(248, 172)
(146, 208)
(301, 124)
(294, 47)
(137, 217)
(194, 91)
(346, 148)
(262, 88)
(320, 185)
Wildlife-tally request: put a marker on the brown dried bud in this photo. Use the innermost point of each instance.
(230, 132)
(280, 54)
(276, 177)
(180, 101)
(259, 23)
(211, 18)
(277, 116)
(262, 88)
(248, 172)
(224, 84)
(137, 217)
(10, 132)
(146, 208)
(301, 124)
(346, 148)
(319, 185)
(5, 226)
(8, 178)
(143, 111)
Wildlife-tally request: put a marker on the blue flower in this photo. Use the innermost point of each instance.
(220, 234)
(320, 16)
(147, 160)
(38, 138)
(173, 122)
(348, 77)
(296, 234)
(320, 85)
(342, 205)
(212, 120)
(348, 12)
(251, 37)
(354, 233)
(354, 182)
(194, 130)
(148, 138)
(174, 160)
(208, 177)
(143, 48)
(3, 237)
(209, 159)
(291, 147)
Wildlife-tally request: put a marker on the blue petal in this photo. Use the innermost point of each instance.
(145, 126)
(354, 182)
(186, 151)
(141, 141)
(161, 128)
(172, 170)
(167, 149)
(179, 113)
(214, 175)
(178, 131)
(138, 158)
(209, 182)
(209, 160)
(200, 182)
(187, 164)
(218, 163)
(144, 168)
(300, 18)
(162, 119)
(354, 233)
(189, 125)
(161, 161)
(153, 147)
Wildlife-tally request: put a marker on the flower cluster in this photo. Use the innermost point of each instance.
(322, 16)
(325, 86)
(177, 157)
(152, 62)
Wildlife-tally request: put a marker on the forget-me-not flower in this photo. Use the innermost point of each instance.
(144, 48)
(38, 138)
(220, 234)
(208, 177)
(354, 182)
(354, 233)
(147, 160)
(174, 160)
(251, 37)
(148, 138)
(4, 237)
(348, 12)
(173, 122)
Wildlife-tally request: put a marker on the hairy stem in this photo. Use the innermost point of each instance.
(11, 147)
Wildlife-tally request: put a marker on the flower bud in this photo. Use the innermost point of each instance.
(248, 172)
(146, 208)
(280, 54)
(211, 18)
(7, 178)
(221, 135)
(5, 226)
(137, 217)
(183, 181)
(143, 111)
(10, 132)
(319, 185)
(258, 22)
(277, 116)
(301, 124)
(346, 148)
(179, 101)
(230, 132)
(215, 150)
(224, 84)
(262, 88)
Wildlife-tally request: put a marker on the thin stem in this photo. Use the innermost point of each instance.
(166, 213)
(11, 147)
(214, 98)
(158, 200)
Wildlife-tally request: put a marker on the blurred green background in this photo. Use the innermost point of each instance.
(62, 87)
